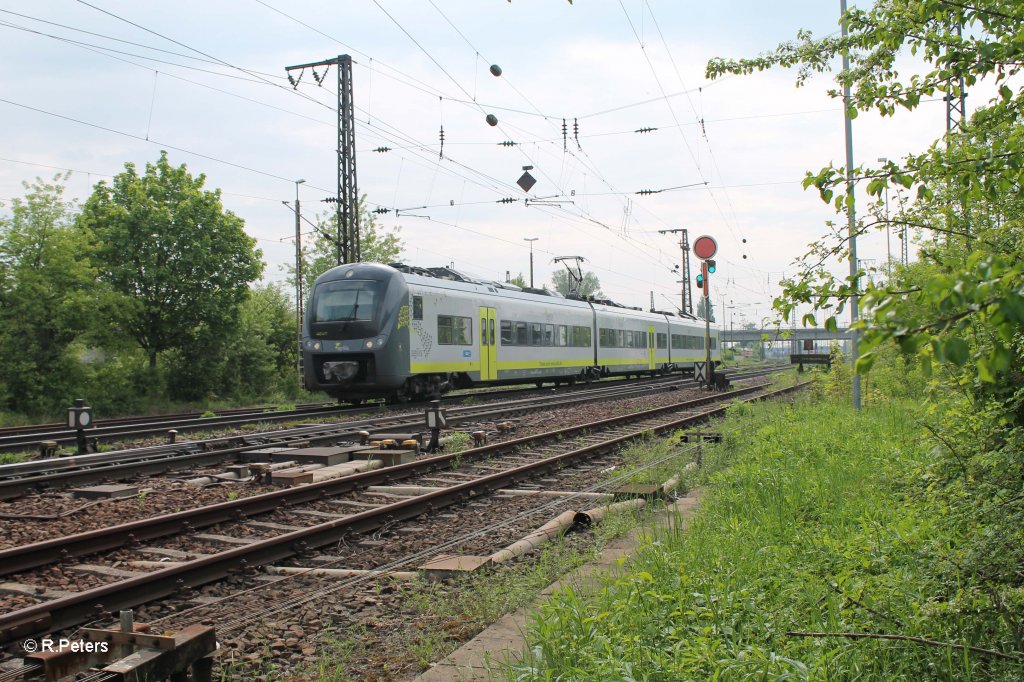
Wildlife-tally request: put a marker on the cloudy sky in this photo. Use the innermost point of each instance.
(89, 86)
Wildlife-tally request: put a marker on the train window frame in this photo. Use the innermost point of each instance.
(522, 335)
(331, 296)
(536, 334)
(549, 335)
(563, 336)
(507, 339)
(454, 330)
(661, 340)
(417, 307)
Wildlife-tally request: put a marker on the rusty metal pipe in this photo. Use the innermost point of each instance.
(596, 515)
(341, 572)
(552, 529)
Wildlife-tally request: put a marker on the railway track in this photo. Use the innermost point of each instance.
(487, 470)
(28, 438)
(25, 477)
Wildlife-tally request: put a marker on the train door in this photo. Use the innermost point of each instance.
(488, 347)
(650, 346)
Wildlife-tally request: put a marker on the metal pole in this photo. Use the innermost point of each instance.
(298, 278)
(888, 232)
(851, 213)
(708, 372)
(685, 296)
(531, 240)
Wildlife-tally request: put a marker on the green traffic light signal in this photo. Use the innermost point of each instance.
(711, 266)
(700, 281)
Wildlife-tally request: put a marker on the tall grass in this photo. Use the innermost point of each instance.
(810, 524)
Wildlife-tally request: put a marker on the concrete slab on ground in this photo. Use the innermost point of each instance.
(486, 655)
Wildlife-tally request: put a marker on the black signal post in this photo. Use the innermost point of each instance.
(705, 247)
(80, 419)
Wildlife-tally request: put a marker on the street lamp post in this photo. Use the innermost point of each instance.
(531, 240)
(888, 242)
(298, 278)
(851, 215)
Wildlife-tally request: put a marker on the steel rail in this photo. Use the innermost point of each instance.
(35, 555)
(129, 420)
(22, 477)
(21, 438)
(98, 602)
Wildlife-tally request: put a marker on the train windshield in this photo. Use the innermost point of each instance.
(346, 301)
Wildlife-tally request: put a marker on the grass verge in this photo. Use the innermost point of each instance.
(815, 521)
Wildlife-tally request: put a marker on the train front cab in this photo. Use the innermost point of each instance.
(356, 336)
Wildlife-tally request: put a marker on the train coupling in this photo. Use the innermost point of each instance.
(343, 371)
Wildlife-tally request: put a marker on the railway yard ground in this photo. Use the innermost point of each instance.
(812, 553)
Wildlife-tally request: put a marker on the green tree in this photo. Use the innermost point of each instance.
(959, 308)
(590, 286)
(265, 344)
(702, 307)
(953, 195)
(48, 300)
(179, 263)
(519, 281)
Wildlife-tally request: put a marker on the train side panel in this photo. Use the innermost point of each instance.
(547, 339)
(628, 340)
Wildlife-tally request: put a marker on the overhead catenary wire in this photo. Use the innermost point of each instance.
(464, 172)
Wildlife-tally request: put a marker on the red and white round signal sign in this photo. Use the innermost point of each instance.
(705, 247)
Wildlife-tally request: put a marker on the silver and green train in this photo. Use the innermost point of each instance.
(404, 333)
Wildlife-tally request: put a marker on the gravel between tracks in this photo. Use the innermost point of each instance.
(285, 644)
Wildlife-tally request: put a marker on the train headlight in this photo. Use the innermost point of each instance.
(316, 345)
(368, 344)
(379, 341)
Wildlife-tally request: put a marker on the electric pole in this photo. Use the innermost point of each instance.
(298, 277)
(851, 214)
(531, 240)
(684, 245)
(347, 199)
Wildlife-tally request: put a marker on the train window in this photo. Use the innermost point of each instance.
(714, 342)
(677, 342)
(603, 337)
(417, 307)
(563, 335)
(454, 331)
(345, 301)
(506, 333)
(521, 339)
(618, 339)
(662, 340)
(549, 335)
(585, 332)
(536, 334)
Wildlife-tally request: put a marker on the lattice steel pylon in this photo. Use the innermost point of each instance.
(956, 121)
(348, 192)
(347, 198)
(686, 294)
(956, 105)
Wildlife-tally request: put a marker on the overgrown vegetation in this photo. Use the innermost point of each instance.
(905, 519)
(144, 299)
(818, 519)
